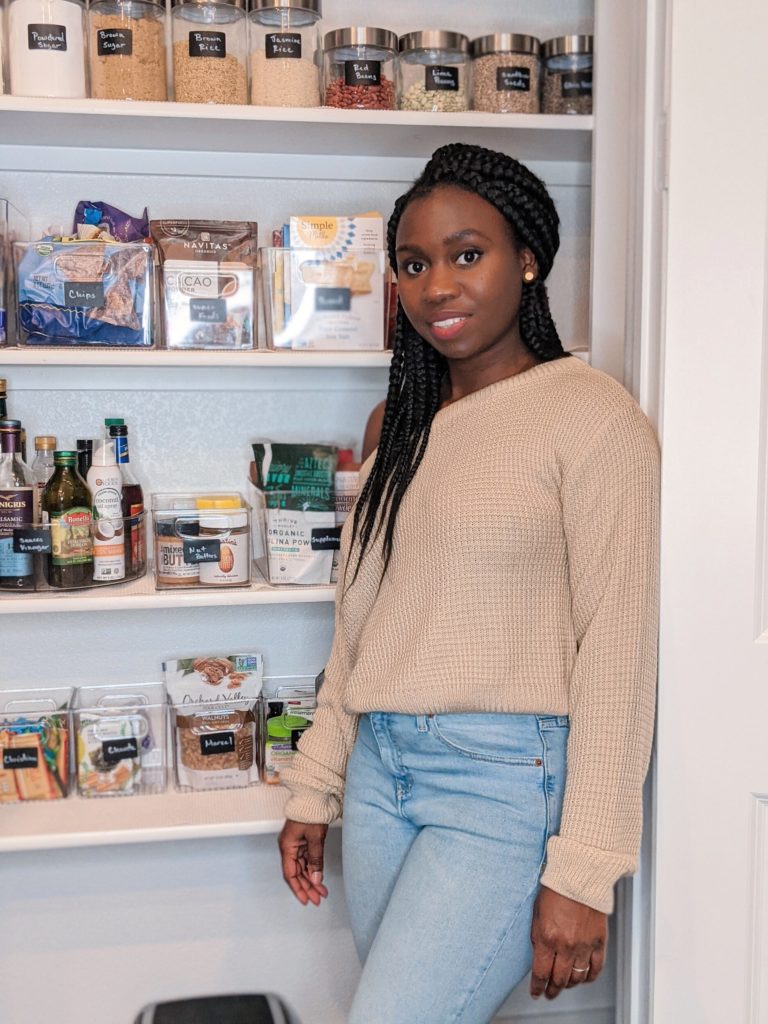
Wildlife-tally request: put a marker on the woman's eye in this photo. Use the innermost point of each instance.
(413, 267)
(468, 257)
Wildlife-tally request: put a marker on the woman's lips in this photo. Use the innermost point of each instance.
(448, 326)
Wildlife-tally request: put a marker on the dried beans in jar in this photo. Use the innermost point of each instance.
(360, 68)
(434, 71)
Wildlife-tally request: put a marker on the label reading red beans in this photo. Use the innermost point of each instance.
(282, 44)
(442, 79)
(576, 83)
(513, 79)
(362, 72)
(207, 44)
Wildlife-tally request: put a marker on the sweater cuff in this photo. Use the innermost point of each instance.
(584, 873)
(311, 807)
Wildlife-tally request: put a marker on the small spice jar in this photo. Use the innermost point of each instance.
(506, 71)
(285, 38)
(360, 68)
(209, 51)
(127, 49)
(567, 75)
(46, 46)
(434, 71)
(233, 568)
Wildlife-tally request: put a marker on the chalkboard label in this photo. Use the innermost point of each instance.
(114, 42)
(217, 743)
(28, 541)
(47, 37)
(20, 757)
(208, 311)
(576, 83)
(196, 551)
(86, 294)
(441, 79)
(513, 79)
(333, 300)
(362, 72)
(282, 44)
(327, 539)
(118, 750)
(207, 44)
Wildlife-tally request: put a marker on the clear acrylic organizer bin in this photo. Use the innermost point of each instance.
(84, 293)
(35, 744)
(201, 540)
(293, 540)
(323, 299)
(121, 739)
(13, 226)
(216, 744)
(288, 706)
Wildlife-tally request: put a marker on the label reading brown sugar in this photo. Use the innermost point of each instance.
(114, 42)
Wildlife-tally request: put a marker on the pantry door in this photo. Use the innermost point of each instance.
(710, 953)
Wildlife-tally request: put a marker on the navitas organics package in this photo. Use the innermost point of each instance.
(214, 708)
(294, 497)
(207, 282)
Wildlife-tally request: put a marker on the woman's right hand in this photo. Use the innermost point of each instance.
(301, 848)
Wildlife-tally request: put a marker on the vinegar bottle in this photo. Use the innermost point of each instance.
(17, 500)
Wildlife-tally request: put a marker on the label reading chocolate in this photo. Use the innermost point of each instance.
(325, 539)
(217, 743)
(513, 79)
(196, 551)
(282, 44)
(29, 541)
(86, 294)
(118, 750)
(362, 72)
(47, 37)
(208, 311)
(333, 300)
(21, 757)
(114, 42)
(576, 83)
(207, 44)
(441, 79)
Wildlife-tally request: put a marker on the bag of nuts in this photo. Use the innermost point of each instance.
(214, 712)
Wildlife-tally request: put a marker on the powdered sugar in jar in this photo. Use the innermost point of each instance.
(46, 45)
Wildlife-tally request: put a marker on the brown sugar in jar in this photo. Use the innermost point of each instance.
(127, 50)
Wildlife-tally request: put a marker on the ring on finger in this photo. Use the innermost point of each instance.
(580, 970)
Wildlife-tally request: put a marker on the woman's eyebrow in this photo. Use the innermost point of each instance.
(457, 236)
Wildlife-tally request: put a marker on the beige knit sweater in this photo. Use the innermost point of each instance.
(523, 579)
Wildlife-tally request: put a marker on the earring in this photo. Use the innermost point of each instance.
(529, 276)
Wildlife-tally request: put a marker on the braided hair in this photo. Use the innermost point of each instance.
(417, 370)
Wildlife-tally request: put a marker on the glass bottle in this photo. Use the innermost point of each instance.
(3, 399)
(17, 503)
(84, 456)
(66, 505)
(42, 467)
(133, 505)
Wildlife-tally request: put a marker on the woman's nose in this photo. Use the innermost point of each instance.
(441, 282)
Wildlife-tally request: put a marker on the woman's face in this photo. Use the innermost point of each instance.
(460, 275)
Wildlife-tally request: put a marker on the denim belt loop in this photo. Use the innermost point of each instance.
(421, 723)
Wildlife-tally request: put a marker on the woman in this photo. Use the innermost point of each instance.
(487, 711)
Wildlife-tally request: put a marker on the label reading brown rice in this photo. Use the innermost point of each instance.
(207, 44)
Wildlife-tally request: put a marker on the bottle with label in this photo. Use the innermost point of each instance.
(66, 505)
(105, 482)
(42, 467)
(84, 455)
(16, 509)
(133, 501)
(345, 487)
(4, 415)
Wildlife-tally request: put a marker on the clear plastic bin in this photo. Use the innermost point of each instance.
(84, 293)
(293, 540)
(216, 744)
(318, 299)
(201, 540)
(13, 226)
(120, 735)
(288, 707)
(34, 744)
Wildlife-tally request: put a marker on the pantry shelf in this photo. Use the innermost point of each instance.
(79, 821)
(325, 131)
(258, 359)
(141, 595)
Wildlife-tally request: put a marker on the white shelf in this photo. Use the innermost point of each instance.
(259, 359)
(141, 594)
(106, 821)
(101, 124)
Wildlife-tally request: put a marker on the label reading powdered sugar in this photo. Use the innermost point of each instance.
(47, 37)
(207, 44)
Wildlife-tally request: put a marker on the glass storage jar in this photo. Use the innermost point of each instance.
(46, 47)
(209, 51)
(434, 71)
(506, 73)
(127, 49)
(284, 52)
(567, 75)
(360, 68)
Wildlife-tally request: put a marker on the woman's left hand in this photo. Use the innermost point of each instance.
(569, 941)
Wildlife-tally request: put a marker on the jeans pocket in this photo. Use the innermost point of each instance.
(499, 738)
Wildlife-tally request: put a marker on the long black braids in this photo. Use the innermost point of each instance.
(417, 371)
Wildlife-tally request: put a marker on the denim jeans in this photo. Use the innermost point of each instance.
(446, 821)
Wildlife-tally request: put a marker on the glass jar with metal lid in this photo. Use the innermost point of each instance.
(434, 71)
(284, 44)
(127, 49)
(209, 51)
(360, 68)
(506, 73)
(46, 47)
(567, 75)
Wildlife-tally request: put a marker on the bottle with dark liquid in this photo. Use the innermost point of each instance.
(17, 504)
(66, 505)
(133, 503)
(84, 456)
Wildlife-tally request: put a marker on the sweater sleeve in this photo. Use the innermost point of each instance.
(610, 508)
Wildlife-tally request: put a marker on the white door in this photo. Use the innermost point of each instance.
(710, 952)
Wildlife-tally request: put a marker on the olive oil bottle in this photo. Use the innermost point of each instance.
(66, 505)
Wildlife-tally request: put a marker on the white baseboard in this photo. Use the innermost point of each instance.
(607, 1015)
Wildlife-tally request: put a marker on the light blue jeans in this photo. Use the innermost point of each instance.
(446, 821)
